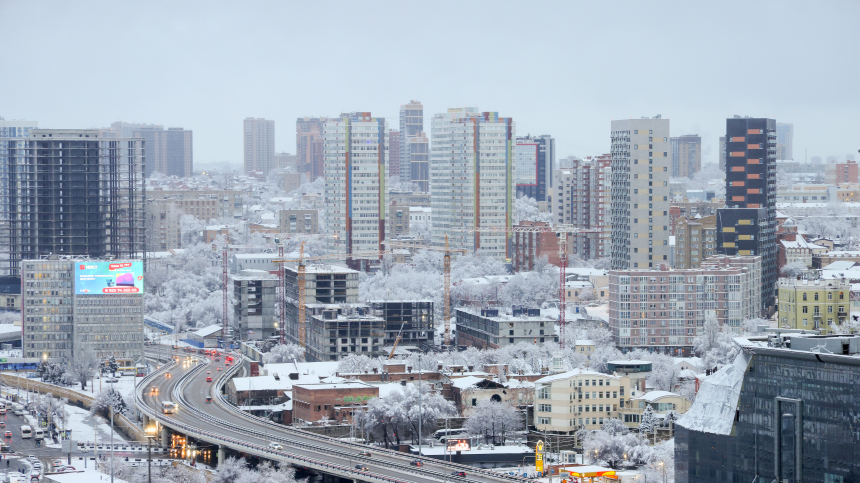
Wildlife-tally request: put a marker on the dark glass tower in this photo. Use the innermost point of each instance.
(747, 226)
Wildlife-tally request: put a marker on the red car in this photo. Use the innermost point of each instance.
(209, 379)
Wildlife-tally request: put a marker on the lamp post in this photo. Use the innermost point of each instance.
(420, 408)
(111, 382)
(151, 433)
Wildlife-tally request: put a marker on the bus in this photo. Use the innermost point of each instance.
(26, 431)
(127, 371)
(39, 434)
(444, 435)
(168, 407)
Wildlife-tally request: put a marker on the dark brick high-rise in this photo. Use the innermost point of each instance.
(747, 226)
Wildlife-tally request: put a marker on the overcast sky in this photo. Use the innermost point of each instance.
(560, 68)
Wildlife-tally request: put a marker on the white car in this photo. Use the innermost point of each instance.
(276, 446)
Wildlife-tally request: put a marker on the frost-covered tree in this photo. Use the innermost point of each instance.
(526, 209)
(530, 288)
(794, 269)
(601, 355)
(282, 353)
(107, 400)
(9, 317)
(52, 409)
(648, 421)
(395, 418)
(83, 365)
(664, 373)
(715, 345)
(493, 420)
(112, 365)
(358, 363)
(610, 444)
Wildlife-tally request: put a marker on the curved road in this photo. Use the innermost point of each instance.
(219, 422)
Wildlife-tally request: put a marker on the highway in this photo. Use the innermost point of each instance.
(221, 423)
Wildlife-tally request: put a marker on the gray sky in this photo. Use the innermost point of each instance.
(560, 68)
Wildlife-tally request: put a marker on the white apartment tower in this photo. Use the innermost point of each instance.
(640, 193)
(472, 179)
(355, 151)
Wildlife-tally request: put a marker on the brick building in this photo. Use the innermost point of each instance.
(331, 402)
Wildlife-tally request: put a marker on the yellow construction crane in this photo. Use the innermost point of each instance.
(301, 281)
(446, 273)
(397, 340)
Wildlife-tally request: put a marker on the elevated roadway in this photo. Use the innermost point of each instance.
(220, 423)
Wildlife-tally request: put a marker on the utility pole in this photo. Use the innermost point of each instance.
(420, 407)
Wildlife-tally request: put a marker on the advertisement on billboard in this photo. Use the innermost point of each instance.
(95, 278)
(459, 445)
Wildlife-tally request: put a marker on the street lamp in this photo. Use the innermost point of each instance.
(111, 382)
(151, 433)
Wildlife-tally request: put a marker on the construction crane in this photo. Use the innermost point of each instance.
(561, 231)
(301, 271)
(397, 340)
(446, 274)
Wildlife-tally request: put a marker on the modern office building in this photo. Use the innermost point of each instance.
(309, 146)
(695, 240)
(472, 180)
(785, 410)
(640, 193)
(581, 196)
(686, 155)
(71, 192)
(664, 309)
(784, 141)
(411, 320)
(411, 124)
(259, 144)
(255, 305)
(489, 329)
(356, 150)
(419, 160)
(535, 162)
(747, 226)
(813, 304)
(169, 152)
(71, 304)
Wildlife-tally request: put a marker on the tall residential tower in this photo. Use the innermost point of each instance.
(259, 146)
(535, 160)
(411, 124)
(640, 193)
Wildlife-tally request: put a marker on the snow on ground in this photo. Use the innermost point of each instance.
(81, 424)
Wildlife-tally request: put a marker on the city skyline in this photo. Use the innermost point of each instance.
(576, 79)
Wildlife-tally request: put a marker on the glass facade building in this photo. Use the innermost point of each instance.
(797, 418)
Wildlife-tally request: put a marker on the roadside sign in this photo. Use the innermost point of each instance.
(539, 457)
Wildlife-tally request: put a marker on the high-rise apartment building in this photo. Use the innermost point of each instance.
(535, 161)
(168, 152)
(259, 146)
(163, 225)
(73, 304)
(419, 160)
(640, 193)
(355, 176)
(394, 156)
(581, 197)
(747, 226)
(722, 154)
(695, 240)
(71, 192)
(686, 155)
(411, 124)
(309, 146)
(655, 310)
(9, 129)
(472, 179)
(784, 141)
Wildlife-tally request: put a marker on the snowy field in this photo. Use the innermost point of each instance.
(81, 423)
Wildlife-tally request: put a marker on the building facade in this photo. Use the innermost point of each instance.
(309, 146)
(840, 173)
(335, 331)
(419, 161)
(579, 399)
(695, 240)
(299, 221)
(163, 225)
(259, 146)
(203, 204)
(751, 198)
(255, 305)
(75, 304)
(411, 125)
(776, 414)
(323, 284)
(784, 141)
(472, 180)
(169, 152)
(640, 193)
(356, 149)
(411, 320)
(686, 155)
(813, 304)
(535, 162)
(581, 196)
(489, 329)
(87, 199)
(665, 309)
(394, 155)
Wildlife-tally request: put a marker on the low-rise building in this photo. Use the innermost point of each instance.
(299, 221)
(579, 399)
(661, 402)
(468, 392)
(253, 261)
(337, 402)
(490, 329)
(206, 337)
(813, 304)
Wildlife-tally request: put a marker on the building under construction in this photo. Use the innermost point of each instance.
(70, 192)
(324, 284)
(335, 331)
(411, 320)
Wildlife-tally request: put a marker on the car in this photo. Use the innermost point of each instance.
(18, 412)
(208, 372)
(2, 424)
(37, 465)
(416, 463)
(361, 467)
(219, 368)
(154, 390)
(111, 381)
(274, 445)
(209, 399)
(458, 473)
(209, 379)
(218, 359)
(32, 458)
(167, 375)
(364, 453)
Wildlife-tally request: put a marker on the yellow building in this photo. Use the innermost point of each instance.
(661, 402)
(569, 401)
(813, 304)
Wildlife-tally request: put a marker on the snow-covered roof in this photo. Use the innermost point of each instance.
(569, 374)
(263, 383)
(339, 385)
(248, 256)
(588, 272)
(717, 399)
(466, 382)
(625, 362)
(584, 342)
(83, 475)
(840, 265)
(578, 284)
(207, 331)
(652, 396)
(320, 369)
(800, 242)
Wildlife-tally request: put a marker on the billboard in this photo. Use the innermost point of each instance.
(459, 445)
(94, 278)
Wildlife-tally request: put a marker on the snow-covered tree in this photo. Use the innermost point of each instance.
(107, 400)
(9, 317)
(83, 365)
(112, 365)
(530, 288)
(601, 355)
(648, 421)
(794, 269)
(358, 363)
(609, 445)
(52, 409)
(282, 353)
(395, 418)
(664, 373)
(526, 209)
(493, 420)
(715, 345)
